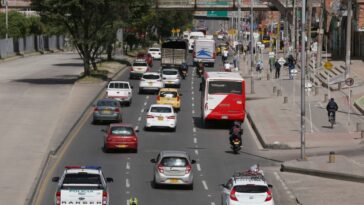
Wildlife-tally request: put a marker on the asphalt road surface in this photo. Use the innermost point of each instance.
(133, 172)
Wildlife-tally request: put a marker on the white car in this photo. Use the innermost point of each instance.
(138, 68)
(82, 185)
(171, 77)
(120, 91)
(248, 188)
(155, 53)
(161, 116)
(151, 81)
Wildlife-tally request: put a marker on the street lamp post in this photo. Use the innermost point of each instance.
(303, 79)
(238, 29)
(251, 48)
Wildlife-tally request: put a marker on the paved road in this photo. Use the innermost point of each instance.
(132, 173)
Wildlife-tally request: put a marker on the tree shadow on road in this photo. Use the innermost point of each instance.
(48, 81)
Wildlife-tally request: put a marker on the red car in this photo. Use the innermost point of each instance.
(147, 57)
(120, 136)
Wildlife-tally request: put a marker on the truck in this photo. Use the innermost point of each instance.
(174, 53)
(204, 51)
(120, 91)
(82, 185)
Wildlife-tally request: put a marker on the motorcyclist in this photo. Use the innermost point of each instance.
(331, 107)
(184, 67)
(235, 132)
(200, 66)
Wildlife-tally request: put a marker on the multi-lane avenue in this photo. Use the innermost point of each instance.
(133, 172)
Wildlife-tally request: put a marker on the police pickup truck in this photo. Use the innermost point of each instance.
(82, 185)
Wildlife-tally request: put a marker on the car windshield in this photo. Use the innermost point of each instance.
(251, 188)
(118, 85)
(107, 103)
(225, 87)
(140, 64)
(161, 109)
(170, 72)
(168, 94)
(151, 77)
(123, 131)
(82, 178)
(174, 162)
(154, 49)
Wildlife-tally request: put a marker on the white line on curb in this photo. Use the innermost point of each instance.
(204, 185)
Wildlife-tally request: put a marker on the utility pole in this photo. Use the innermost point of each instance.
(293, 31)
(348, 50)
(309, 39)
(239, 26)
(251, 47)
(320, 37)
(303, 79)
(286, 30)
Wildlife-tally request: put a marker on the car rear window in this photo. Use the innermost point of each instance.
(170, 72)
(251, 188)
(174, 162)
(124, 131)
(225, 87)
(140, 64)
(82, 178)
(168, 94)
(161, 109)
(108, 103)
(151, 77)
(118, 85)
(154, 49)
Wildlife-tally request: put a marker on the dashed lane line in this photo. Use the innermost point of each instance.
(127, 183)
(193, 104)
(198, 167)
(139, 119)
(205, 185)
(212, 203)
(196, 151)
(193, 111)
(289, 193)
(195, 140)
(127, 165)
(136, 128)
(147, 97)
(142, 110)
(145, 104)
(194, 129)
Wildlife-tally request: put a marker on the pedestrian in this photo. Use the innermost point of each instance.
(235, 59)
(291, 66)
(277, 65)
(225, 54)
(259, 68)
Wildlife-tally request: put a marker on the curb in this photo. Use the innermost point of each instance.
(31, 196)
(261, 138)
(320, 173)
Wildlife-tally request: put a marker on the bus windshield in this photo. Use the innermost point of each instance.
(225, 87)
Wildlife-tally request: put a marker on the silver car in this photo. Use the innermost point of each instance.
(171, 77)
(173, 168)
(107, 109)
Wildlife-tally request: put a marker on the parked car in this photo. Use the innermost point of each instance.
(169, 96)
(120, 136)
(171, 77)
(138, 68)
(173, 168)
(107, 109)
(120, 91)
(150, 81)
(147, 57)
(161, 116)
(155, 53)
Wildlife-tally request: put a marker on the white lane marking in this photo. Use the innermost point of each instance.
(127, 202)
(128, 158)
(127, 183)
(145, 104)
(198, 167)
(195, 140)
(142, 110)
(193, 98)
(196, 151)
(139, 118)
(147, 97)
(204, 185)
(127, 192)
(127, 166)
(193, 104)
(212, 203)
(194, 129)
(136, 128)
(192, 93)
(193, 111)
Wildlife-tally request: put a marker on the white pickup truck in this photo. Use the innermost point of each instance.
(82, 185)
(120, 90)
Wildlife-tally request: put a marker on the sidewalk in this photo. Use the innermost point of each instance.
(274, 113)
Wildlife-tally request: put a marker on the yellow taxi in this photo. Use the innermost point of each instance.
(169, 96)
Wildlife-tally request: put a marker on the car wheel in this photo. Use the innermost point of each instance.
(128, 103)
(174, 129)
(135, 151)
(140, 91)
(106, 150)
(155, 184)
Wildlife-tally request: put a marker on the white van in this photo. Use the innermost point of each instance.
(204, 51)
(192, 37)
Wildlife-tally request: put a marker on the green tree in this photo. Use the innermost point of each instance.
(92, 24)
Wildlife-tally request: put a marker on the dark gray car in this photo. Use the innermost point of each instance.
(107, 109)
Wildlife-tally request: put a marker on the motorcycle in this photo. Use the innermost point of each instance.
(332, 119)
(184, 74)
(236, 145)
(200, 71)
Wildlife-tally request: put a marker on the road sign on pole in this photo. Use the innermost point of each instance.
(349, 81)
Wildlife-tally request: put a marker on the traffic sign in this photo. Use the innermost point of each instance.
(328, 65)
(349, 81)
(217, 14)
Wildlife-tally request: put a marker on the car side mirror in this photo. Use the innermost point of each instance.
(193, 161)
(109, 179)
(55, 179)
(103, 130)
(153, 161)
(270, 186)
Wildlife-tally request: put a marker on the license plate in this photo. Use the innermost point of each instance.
(160, 118)
(106, 112)
(174, 181)
(150, 83)
(236, 142)
(170, 81)
(122, 146)
(224, 117)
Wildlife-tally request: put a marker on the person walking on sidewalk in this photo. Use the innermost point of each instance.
(331, 107)
(277, 65)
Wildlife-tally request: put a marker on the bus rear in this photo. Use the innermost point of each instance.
(223, 96)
